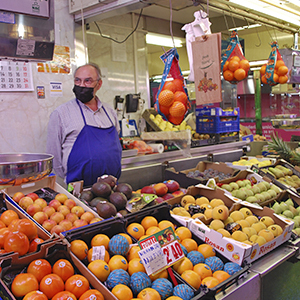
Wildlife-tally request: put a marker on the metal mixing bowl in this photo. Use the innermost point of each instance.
(18, 168)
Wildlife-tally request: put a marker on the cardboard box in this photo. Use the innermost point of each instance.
(48, 182)
(248, 163)
(186, 181)
(240, 252)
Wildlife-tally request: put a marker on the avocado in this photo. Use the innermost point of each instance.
(95, 201)
(119, 200)
(124, 188)
(101, 189)
(86, 196)
(106, 209)
(111, 180)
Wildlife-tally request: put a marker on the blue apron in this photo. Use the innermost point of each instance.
(96, 151)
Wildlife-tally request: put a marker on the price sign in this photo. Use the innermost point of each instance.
(15, 76)
(173, 252)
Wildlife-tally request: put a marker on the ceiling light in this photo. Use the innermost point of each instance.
(245, 27)
(163, 40)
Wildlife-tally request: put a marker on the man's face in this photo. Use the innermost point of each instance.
(87, 77)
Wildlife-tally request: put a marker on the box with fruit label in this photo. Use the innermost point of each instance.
(50, 206)
(201, 173)
(250, 233)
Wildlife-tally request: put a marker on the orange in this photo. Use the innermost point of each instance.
(263, 69)
(244, 64)
(192, 278)
(122, 292)
(283, 79)
(228, 75)
(149, 294)
(206, 250)
(203, 270)
(17, 242)
(279, 63)
(51, 284)
(100, 269)
(166, 98)
(136, 230)
(176, 120)
(133, 253)
(174, 298)
(282, 70)
(264, 79)
(210, 282)
(235, 58)
(164, 110)
(143, 237)
(91, 294)
(64, 295)
(127, 237)
(275, 77)
(148, 222)
(183, 233)
(165, 224)
(77, 285)
(90, 256)
(63, 268)
(221, 275)
(79, 248)
(239, 74)
(3, 233)
(34, 243)
(8, 215)
(189, 244)
(178, 83)
(233, 65)
(35, 295)
(181, 97)
(152, 230)
(135, 265)
(169, 85)
(118, 262)
(183, 265)
(23, 284)
(100, 240)
(225, 67)
(39, 268)
(177, 109)
(162, 274)
(26, 226)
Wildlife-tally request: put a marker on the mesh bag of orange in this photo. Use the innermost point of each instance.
(172, 101)
(275, 71)
(234, 65)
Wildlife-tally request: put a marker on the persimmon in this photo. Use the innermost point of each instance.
(64, 295)
(77, 285)
(39, 268)
(17, 242)
(35, 295)
(34, 244)
(23, 284)
(91, 294)
(27, 227)
(51, 284)
(8, 215)
(63, 268)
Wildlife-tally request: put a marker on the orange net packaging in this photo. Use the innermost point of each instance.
(275, 71)
(172, 100)
(234, 65)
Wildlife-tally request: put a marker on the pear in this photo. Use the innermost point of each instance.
(297, 231)
(298, 210)
(293, 210)
(289, 202)
(259, 197)
(287, 213)
(241, 183)
(267, 184)
(233, 193)
(272, 193)
(296, 224)
(262, 187)
(241, 194)
(248, 186)
(283, 206)
(277, 208)
(275, 188)
(255, 189)
(249, 192)
(297, 218)
(234, 185)
(227, 187)
(247, 182)
(266, 195)
(251, 199)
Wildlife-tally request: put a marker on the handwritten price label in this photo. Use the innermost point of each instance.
(173, 252)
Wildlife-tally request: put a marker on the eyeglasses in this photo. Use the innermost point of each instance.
(86, 81)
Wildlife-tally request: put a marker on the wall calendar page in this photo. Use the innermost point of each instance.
(15, 76)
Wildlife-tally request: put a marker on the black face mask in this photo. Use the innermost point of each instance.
(83, 94)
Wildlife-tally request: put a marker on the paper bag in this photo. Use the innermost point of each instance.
(207, 68)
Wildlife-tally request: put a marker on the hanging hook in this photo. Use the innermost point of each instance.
(226, 23)
(258, 38)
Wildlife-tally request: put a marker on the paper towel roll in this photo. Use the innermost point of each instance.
(158, 148)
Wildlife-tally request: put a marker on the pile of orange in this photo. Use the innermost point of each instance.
(173, 101)
(43, 281)
(235, 69)
(280, 73)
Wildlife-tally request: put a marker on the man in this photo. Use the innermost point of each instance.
(83, 133)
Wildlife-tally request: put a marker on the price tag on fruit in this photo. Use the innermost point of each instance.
(160, 251)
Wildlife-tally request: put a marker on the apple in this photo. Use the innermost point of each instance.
(57, 229)
(172, 185)
(77, 210)
(64, 209)
(70, 203)
(159, 200)
(95, 220)
(17, 196)
(79, 223)
(33, 196)
(33, 208)
(49, 210)
(178, 193)
(61, 197)
(148, 190)
(161, 189)
(168, 196)
(67, 225)
(57, 217)
(40, 217)
(71, 217)
(49, 224)
(25, 202)
(87, 216)
(41, 202)
(54, 203)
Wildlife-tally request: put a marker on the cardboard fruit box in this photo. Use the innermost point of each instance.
(45, 186)
(241, 252)
(52, 252)
(185, 179)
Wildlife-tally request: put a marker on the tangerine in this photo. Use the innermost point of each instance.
(91, 294)
(275, 77)
(17, 242)
(228, 75)
(279, 63)
(135, 265)
(100, 269)
(35, 295)
(282, 70)
(206, 250)
(225, 67)
(77, 285)
(169, 85)
(240, 74)
(149, 294)
(118, 262)
(122, 292)
(26, 226)
(183, 233)
(165, 224)
(203, 270)
(8, 215)
(39, 268)
(189, 244)
(133, 253)
(221, 275)
(235, 57)
(263, 69)
(244, 64)
(136, 230)
(34, 243)
(177, 109)
(51, 284)
(152, 230)
(175, 120)
(192, 278)
(233, 65)
(63, 268)
(210, 282)
(148, 222)
(181, 97)
(264, 79)
(178, 83)
(127, 237)
(165, 110)
(64, 295)
(23, 284)
(183, 265)
(79, 248)
(100, 240)
(166, 98)
(283, 79)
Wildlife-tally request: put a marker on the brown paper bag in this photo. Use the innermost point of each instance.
(206, 62)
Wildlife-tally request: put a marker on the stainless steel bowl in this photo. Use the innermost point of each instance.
(18, 168)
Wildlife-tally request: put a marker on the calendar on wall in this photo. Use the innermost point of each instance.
(15, 76)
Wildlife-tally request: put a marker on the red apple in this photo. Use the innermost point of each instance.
(71, 217)
(61, 197)
(41, 202)
(172, 185)
(57, 217)
(161, 189)
(67, 225)
(79, 223)
(33, 208)
(25, 202)
(49, 210)
(57, 229)
(70, 203)
(168, 196)
(49, 224)
(148, 190)
(178, 193)
(54, 203)
(17, 196)
(64, 209)
(40, 217)
(33, 196)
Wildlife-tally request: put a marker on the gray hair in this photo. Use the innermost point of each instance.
(95, 66)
